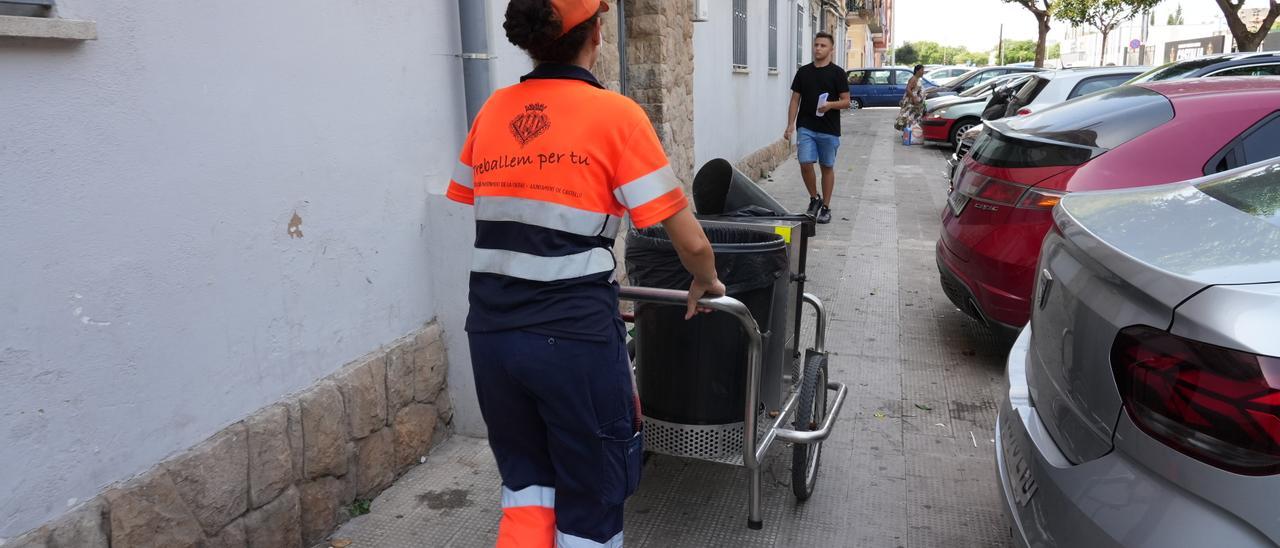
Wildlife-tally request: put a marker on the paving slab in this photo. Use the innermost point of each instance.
(911, 461)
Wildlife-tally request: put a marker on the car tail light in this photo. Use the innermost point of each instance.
(1000, 192)
(1037, 198)
(1217, 405)
(1024, 111)
(980, 187)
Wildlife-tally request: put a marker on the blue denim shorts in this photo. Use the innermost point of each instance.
(813, 146)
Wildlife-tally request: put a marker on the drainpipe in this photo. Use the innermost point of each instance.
(624, 81)
(475, 54)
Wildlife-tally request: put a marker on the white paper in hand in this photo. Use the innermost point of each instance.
(822, 100)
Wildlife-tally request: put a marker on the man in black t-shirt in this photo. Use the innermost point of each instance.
(819, 92)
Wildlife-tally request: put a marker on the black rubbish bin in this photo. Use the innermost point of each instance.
(720, 189)
(694, 372)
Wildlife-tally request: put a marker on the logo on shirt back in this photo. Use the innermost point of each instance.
(530, 124)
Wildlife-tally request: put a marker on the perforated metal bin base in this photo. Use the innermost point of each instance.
(715, 443)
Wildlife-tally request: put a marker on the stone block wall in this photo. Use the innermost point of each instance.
(660, 74)
(761, 163)
(285, 476)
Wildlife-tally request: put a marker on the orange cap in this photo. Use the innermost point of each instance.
(574, 12)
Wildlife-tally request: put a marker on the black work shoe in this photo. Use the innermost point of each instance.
(824, 216)
(815, 203)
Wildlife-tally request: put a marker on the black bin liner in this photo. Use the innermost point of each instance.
(720, 189)
(695, 371)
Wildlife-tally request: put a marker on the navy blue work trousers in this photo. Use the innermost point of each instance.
(562, 416)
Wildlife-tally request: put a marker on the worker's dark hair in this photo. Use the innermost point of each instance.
(826, 35)
(534, 27)
(918, 69)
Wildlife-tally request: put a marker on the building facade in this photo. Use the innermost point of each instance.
(1157, 41)
(234, 288)
(869, 33)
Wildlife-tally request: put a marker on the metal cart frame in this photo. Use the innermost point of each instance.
(754, 450)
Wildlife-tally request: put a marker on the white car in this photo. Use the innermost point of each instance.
(944, 75)
(1049, 88)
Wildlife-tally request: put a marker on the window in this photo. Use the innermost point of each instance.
(903, 76)
(857, 77)
(878, 77)
(39, 19)
(26, 8)
(773, 35)
(799, 36)
(739, 34)
(1098, 83)
(1252, 192)
(1252, 70)
(1261, 142)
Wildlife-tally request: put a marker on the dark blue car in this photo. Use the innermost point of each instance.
(879, 87)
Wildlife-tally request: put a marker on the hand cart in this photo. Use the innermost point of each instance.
(781, 403)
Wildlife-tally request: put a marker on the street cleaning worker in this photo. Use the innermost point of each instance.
(551, 165)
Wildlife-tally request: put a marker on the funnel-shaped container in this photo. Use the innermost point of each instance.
(720, 189)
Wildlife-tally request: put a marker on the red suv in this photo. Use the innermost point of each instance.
(1002, 197)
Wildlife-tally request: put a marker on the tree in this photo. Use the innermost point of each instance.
(1055, 52)
(1175, 18)
(1042, 10)
(1019, 51)
(1104, 15)
(906, 55)
(1247, 40)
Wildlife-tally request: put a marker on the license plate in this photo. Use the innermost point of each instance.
(1021, 482)
(957, 201)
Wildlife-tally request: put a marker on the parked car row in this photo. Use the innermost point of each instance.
(1126, 228)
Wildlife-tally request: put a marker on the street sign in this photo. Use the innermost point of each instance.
(1135, 43)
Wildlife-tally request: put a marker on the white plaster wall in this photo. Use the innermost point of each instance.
(151, 294)
(738, 114)
(453, 227)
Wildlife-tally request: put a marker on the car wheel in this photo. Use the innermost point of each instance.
(855, 104)
(960, 127)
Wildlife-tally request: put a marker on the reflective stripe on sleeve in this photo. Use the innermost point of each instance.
(463, 174)
(542, 269)
(645, 189)
(565, 540)
(533, 495)
(547, 215)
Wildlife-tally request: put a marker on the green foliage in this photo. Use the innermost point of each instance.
(1054, 52)
(1019, 51)
(1175, 18)
(906, 55)
(358, 508)
(933, 53)
(1104, 15)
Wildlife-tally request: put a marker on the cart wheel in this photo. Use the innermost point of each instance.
(811, 411)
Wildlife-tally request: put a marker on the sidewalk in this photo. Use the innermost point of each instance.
(910, 463)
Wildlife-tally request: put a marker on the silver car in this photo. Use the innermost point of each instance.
(1143, 402)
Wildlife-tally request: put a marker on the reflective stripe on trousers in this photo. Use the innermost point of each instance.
(528, 518)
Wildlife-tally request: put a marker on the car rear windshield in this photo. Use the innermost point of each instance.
(998, 150)
(1256, 192)
(1177, 70)
(1105, 120)
(1070, 134)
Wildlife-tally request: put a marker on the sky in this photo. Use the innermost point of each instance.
(975, 24)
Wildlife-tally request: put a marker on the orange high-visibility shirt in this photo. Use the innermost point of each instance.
(552, 165)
